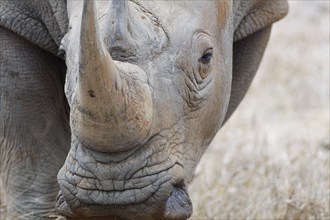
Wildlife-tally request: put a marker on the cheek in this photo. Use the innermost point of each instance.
(215, 108)
(210, 121)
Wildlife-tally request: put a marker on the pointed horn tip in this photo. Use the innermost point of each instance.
(88, 7)
(89, 30)
(88, 3)
(88, 12)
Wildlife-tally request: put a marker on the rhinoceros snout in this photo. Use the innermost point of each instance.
(177, 207)
(96, 184)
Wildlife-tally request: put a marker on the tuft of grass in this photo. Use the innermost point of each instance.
(272, 159)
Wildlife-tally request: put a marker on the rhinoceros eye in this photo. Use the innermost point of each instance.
(207, 56)
(204, 63)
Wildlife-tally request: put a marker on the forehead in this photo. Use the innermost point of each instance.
(178, 18)
(173, 15)
(188, 15)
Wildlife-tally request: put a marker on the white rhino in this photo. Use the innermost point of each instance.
(107, 106)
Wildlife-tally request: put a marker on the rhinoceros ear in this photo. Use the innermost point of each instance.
(252, 24)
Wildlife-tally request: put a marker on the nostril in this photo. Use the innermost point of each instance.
(179, 184)
(178, 205)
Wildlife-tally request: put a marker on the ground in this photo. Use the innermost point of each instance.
(271, 160)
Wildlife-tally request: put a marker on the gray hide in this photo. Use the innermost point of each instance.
(106, 107)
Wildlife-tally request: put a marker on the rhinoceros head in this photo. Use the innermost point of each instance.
(148, 84)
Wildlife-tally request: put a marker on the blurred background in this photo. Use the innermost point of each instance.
(271, 159)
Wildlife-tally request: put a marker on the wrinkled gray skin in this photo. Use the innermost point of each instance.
(107, 107)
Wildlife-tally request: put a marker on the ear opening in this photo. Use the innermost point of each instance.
(253, 22)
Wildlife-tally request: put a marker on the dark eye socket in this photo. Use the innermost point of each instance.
(206, 58)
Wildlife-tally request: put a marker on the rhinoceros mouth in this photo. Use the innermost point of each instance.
(90, 186)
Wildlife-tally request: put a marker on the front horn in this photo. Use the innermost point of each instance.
(111, 105)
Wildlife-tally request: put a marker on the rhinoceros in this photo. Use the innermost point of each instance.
(107, 106)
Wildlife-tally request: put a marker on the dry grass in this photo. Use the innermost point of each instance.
(271, 161)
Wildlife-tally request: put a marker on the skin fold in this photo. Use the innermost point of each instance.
(107, 106)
